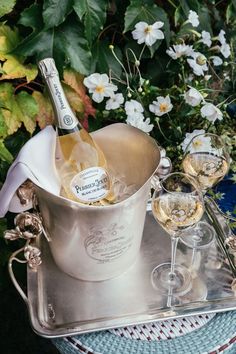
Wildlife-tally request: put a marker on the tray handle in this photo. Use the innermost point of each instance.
(13, 258)
(33, 259)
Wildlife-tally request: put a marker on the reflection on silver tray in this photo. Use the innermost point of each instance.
(60, 305)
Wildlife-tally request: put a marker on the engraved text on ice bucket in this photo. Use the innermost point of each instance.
(107, 243)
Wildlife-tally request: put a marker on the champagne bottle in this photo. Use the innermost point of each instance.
(80, 163)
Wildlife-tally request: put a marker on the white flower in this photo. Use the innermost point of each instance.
(148, 34)
(190, 136)
(134, 109)
(198, 63)
(115, 101)
(217, 60)
(206, 38)
(199, 142)
(193, 97)
(161, 106)
(140, 123)
(207, 77)
(193, 18)
(225, 50)
(180, 50)
(221, 37)
(99, 86)
(211, 112)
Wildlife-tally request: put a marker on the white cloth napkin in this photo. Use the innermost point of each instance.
(35, 161)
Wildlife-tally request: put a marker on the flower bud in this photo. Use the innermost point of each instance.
(111, 46)
(201, 60)
(140, 89)
(137, 62)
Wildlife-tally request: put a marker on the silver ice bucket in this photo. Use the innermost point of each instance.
(100, 242)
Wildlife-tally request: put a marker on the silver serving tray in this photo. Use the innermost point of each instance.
(60, 305)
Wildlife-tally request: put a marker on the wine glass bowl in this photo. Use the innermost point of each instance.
(206, 159)
(177, 204)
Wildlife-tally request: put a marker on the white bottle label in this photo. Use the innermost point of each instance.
(91, 184)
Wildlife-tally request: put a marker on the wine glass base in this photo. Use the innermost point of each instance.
(199, 237)
(161, 281)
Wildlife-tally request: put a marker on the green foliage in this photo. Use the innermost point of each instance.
(55, 12)
(93, 14)
(78, 34)
(6, 6)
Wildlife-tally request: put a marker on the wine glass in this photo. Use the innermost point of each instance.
(207, 160)
(177, 204)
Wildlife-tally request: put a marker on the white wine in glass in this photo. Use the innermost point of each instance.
(207, 168)
(207, 160)
(177, 204)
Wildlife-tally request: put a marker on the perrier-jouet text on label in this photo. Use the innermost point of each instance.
(91, 184)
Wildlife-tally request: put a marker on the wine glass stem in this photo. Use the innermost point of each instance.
(193, 254)
(174, 242)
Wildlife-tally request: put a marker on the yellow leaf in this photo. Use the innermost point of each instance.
(75, 81)
(6, 95)
(27, 110)
(12, 121)
(13, 69)
(3, 47)
(74, 99)
(45, 113)
(9, 38)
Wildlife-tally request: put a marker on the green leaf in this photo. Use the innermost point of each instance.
(32, 17)
(105, 60)
(55, 12)
(8, 108)
(80, 7)
(28, 109)
(5, 155)
(234, 3)
(6, 94)
(94, 13)
(71, 36)
(230, 12)
(139, 10)
(3, 126)
(11, 120)
(9, 38)
(38, 44)
(233, 178)
(188, 5)
(6, 6)
(66, 42)
(205, 20)
(178, 16)
(12, 66)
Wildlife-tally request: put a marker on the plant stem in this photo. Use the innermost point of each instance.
(141, 53)
(162, 132)
(171, 2)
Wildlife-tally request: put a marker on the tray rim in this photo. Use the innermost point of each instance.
(46, 330)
